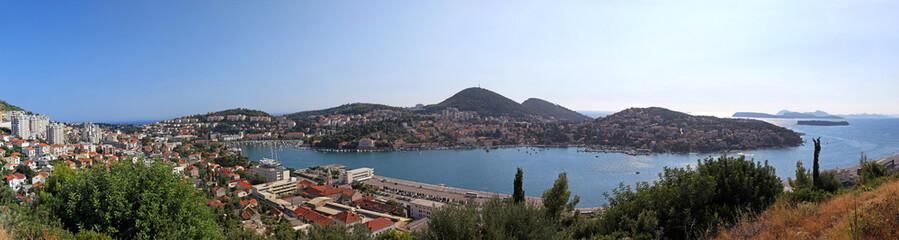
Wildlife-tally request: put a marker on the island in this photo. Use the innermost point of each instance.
(822, 123)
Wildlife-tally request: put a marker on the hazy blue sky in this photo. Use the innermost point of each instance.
(138, 60)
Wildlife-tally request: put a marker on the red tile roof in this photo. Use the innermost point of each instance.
(312, 216)
(378, 223)
(347, 217)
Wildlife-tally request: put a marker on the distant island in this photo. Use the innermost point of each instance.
(822, 123)
(788, 114)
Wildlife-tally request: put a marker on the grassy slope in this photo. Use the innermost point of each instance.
(9, 107)
(856, 214)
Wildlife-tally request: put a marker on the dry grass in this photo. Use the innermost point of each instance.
(860, 215)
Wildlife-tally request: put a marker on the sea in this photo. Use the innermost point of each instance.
(591, 174)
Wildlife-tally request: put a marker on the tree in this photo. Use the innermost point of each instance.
(685, 203)
(454, 222)
(132, 201)
(802, 177)
(556, 198)
(815, 178)
(869, 170)
(231, 160)
(23, 169)
(518, 192)
(257, 179)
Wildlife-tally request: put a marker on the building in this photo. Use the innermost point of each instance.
(273, 190)
(55, 134)
(238, 117)
(260, 119)
(366, 143)
(421, 208)
(21, 126)
(214, 118)
(91, 133)
(379, 225)
(356, 175)
(39, 125)
(270, 169)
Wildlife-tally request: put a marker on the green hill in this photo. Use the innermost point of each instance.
(9, 107)
(234, 111)
(346, 109)
(553, 110)
(484, 102)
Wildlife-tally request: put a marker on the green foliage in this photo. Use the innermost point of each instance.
(362, 187)
(830, 182)
(9, 107)
(686, 202)
(25, 170)
(869, 170)
(232, 160)
(338, 232)
(454, 222)
(393, 235)
(91, 235)
(257, 179)
(484, 102)
(548, 109)
(346, 109)
(808, 194)
(235, 111)
(132, 201)
(514, 221)
(802, 177)
(815, 178)
(556, 198)
(7, 196)
(518, 191)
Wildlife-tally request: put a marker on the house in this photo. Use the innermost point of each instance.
(366, 143)
(379, 225)
(192, 171)
(244, 186)
(421, 208)
(239, 193)
(347, 218)
(309, 216)
(249, 213)
(9, 166)
(15, 181)
(233, 183)
(30, 164)
(40, 177)
(248, 203)
(218, 191)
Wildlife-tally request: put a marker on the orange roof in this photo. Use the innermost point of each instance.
(347, 217)
(313, 216)
(245, 185)
(378, 223)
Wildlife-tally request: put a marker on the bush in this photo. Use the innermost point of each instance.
(685, 202)
(131, 201)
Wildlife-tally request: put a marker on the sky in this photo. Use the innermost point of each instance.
(112, 61)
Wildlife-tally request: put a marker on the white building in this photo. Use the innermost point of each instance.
(270, 169)
(91, 133)
(356, 175)
(421, 208)
(55, 134)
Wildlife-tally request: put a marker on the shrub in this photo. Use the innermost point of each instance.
(686, 202)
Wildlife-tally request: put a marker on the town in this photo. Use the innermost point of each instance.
(257, 194)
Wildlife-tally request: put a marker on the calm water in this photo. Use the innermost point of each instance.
(591, 174)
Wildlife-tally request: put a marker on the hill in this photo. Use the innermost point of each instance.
(9, 107)
(866, 213)
(346, 109)
(548, 109)
(234, 111)
(661, 130)
(484, 102)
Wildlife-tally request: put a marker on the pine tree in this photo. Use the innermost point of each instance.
(518, 192)
(815, 174)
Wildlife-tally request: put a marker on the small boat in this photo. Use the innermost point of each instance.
(638, 172)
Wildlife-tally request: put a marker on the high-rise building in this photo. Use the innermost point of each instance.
(90, 133)
(55, 134)
(39, 125)
(21, 126)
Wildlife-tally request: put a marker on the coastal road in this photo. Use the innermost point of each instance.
(455, 194)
